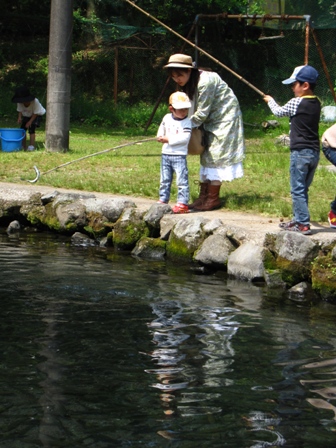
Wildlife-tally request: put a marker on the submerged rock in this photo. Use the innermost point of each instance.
(150, 249)
(13, 227)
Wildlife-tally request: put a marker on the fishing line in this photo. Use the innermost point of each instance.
(39, 174)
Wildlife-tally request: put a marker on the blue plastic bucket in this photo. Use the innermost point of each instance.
(11, 139)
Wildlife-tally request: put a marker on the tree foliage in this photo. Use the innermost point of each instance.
(31, 17)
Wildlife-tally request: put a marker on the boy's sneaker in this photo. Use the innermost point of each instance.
(180, 208)
(30, 148)
(332, 219)
(301, 228)
(287, 225)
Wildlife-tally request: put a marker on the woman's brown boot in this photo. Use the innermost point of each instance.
(212, 200)
(202, 195)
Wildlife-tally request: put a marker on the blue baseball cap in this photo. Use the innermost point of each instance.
(303, 73)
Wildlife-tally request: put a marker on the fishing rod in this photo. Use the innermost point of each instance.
(197, 48)
(39, 174)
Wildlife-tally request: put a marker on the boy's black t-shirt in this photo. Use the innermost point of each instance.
(304, 125)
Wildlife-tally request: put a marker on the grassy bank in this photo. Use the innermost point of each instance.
(135, 170)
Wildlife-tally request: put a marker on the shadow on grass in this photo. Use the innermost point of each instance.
(243, 200)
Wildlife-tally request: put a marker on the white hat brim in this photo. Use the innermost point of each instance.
(181, 105)
(178, 65)
(289, 81)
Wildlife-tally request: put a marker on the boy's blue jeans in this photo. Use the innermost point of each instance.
(169, 165)
(330, 154)
(303, 164)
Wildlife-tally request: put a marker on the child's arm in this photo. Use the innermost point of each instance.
(19, 118)
(288, 110)
(267, 98)
(32, 118)
(182, 138)
(161, 137)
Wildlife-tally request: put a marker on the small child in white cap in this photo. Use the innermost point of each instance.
(174, 132)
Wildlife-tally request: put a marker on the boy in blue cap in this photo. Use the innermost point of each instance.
(304, 116)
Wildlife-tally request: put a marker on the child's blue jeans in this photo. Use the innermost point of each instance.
(303, 164)
(171, 164)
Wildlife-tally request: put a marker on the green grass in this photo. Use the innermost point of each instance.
(135, 170)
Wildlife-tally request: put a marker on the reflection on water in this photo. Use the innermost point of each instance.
(103, 350)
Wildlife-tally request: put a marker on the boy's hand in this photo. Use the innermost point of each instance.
(267, 98)
(162, 139)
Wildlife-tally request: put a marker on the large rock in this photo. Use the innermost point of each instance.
(154, 216)
(111, 209)
(295, 253)
(166, 225)
(214, 251)
(71, 216)
(185, 237)
(324, 275)
(150, 248)
(129, 229)
(71, 212)
(247, 262)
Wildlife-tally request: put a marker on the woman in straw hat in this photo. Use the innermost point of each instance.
(216, 107)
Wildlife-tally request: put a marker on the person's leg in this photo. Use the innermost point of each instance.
(212, 200)
(23, 126)
(203, 193)
(303, 164)
(32, 139)
(182, 181)
(330, 154)
(166, 177)
(32, 136)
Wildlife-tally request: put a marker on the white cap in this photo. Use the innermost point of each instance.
(179, 100)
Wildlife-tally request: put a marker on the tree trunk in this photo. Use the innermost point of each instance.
(59, 76)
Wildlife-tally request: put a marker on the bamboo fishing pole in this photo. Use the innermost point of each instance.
(197, 48)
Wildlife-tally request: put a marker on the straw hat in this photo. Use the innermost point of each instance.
(180, 61)
(22, 95)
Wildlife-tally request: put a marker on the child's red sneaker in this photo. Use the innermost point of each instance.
(332, 219)
(180, 208)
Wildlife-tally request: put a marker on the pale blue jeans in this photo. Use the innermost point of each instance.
(303, 164)
(169, 165)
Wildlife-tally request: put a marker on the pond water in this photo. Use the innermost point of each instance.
(99, 349)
